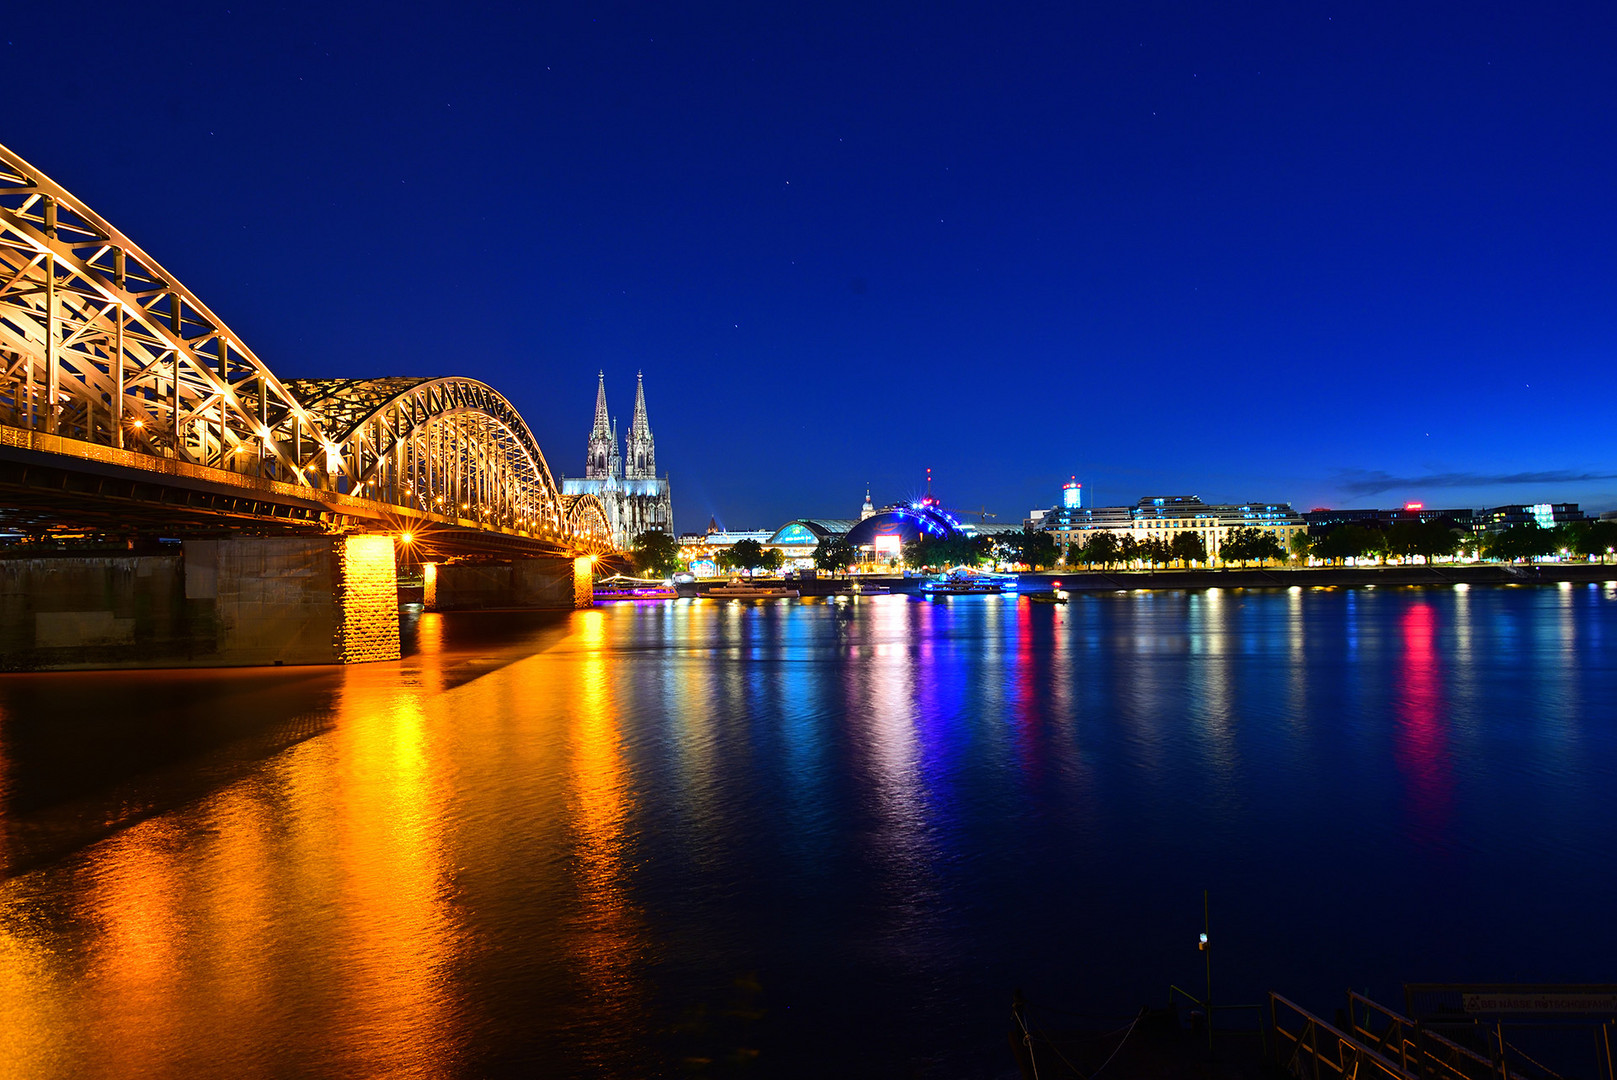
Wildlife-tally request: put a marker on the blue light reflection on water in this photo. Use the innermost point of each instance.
(847, 830)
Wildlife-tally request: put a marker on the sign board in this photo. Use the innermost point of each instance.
(1468, 1002)
(1560, 1004)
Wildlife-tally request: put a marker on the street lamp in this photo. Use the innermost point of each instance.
(1201, 944)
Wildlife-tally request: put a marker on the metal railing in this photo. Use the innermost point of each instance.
(1421, 1050)
(1308, 1048)
(1210, 1010)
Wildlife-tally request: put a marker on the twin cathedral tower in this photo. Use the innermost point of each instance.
(636, 498)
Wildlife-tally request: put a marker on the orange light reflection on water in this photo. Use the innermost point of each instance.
(602, 803)
(194, 936)
(397, 929)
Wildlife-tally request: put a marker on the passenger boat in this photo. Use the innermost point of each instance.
(963, 582)
(859, 588)
(623, 587)
(736, 589)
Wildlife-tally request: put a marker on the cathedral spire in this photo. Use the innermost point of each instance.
(601, 459)
(601, 425)
(641, 461)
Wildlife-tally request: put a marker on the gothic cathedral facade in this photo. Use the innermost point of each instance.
(637, 500)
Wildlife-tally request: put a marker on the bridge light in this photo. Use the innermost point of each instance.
(407, 538)
(264, 433)
(140, 423)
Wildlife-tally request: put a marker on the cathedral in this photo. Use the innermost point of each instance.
(637, 500)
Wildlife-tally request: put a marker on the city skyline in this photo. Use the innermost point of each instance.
(1332, 258)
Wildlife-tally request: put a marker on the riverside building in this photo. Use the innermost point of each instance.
(1161, 516)
(1490, 520)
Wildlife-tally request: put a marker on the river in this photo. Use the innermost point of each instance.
(800, 838)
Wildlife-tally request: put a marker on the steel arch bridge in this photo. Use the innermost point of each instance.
(126, 402)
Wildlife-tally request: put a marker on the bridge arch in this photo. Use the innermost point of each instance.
(449, 446)
(99, 343)
(587, 516)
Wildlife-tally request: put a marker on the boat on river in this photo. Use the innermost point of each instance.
(736, 589)
(962, 581)
(623, 587)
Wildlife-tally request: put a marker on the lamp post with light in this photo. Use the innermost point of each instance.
(1207, 953)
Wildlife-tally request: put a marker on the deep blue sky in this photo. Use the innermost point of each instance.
(1336, 254)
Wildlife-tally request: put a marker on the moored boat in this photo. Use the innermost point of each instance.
(623, 587)
(737, 589)
(963, 582)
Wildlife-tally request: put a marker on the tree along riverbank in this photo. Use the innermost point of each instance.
(1317, 576)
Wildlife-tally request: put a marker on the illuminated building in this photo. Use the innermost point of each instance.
(1161, 517)
(1544, 515)
(1494, 519)
(1322, 519)
(637, 500)
(881, 536)
(798, 539)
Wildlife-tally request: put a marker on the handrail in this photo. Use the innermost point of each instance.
(1346, 1057)
(1459, 1062)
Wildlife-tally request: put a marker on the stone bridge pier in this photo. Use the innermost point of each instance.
(541, 582)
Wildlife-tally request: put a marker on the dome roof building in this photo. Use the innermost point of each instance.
(888, 529)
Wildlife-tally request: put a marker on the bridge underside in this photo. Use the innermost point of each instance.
(87, 493)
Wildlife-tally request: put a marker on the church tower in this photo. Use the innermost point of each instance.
(601, 461)
(641, 463)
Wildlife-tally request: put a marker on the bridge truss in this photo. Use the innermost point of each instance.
(110, 368)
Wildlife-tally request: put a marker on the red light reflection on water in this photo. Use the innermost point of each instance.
(1420, 738)
(1028, 715)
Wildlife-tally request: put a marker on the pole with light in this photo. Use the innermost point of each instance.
(1202, 944)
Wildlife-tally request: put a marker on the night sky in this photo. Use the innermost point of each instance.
(1337, 255)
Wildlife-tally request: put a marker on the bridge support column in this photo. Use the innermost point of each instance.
(556, 582)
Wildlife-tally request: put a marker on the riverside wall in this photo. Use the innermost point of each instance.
(1322, 576)
(219, 603)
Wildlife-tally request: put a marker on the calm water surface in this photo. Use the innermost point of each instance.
(791, 839)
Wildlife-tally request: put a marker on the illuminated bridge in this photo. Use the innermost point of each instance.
(129, 409)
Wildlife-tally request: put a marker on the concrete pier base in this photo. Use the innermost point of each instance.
(554, 583)
(242, 601)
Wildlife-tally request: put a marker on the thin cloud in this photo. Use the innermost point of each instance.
(1373, 481)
